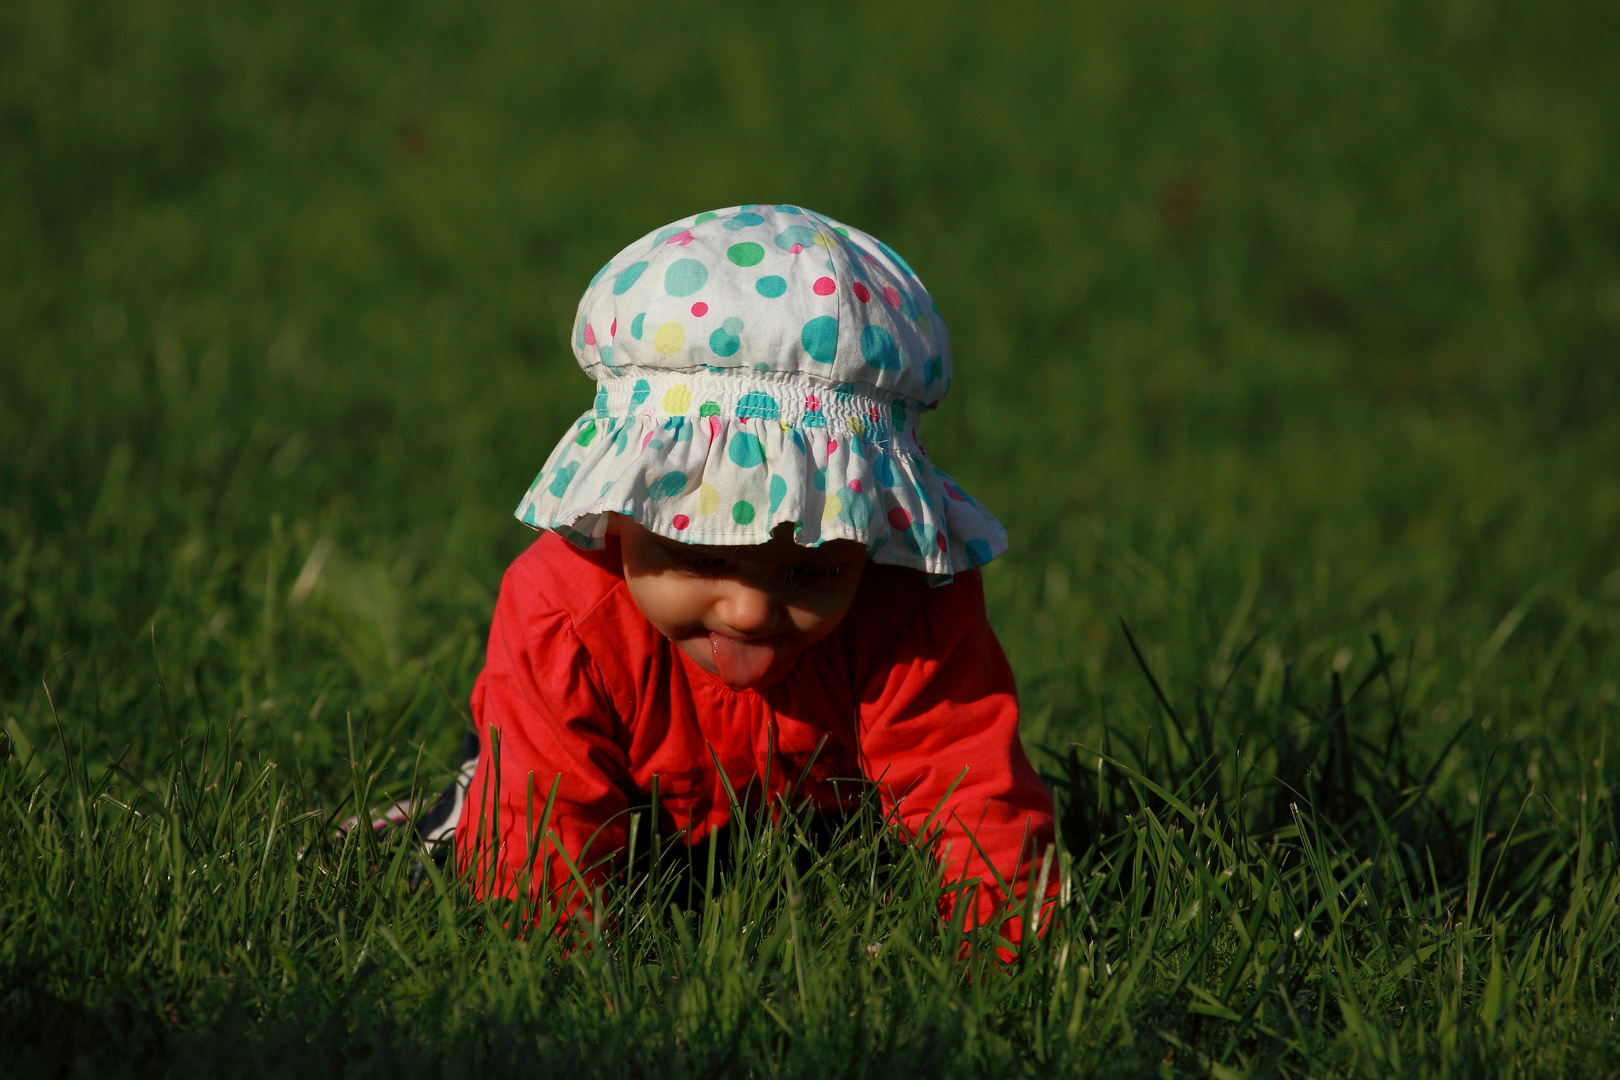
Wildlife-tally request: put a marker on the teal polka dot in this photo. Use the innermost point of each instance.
(727, 340)
(788, 210)
(856, 508)
(814, 420)
(755, 403)
(820, 338)
(528, 516)
(601, 400)
(778, 492)
(685, 277)
(878, 346)
(743, 221)
(562, 478)
(923, 539)
(895, 255)
(897, 413)
(769, 286)
(746, 450)
(978, 552)
(883, 469)
(606, 353)
(635, 325)
(579, 331)
(598, 276)
(801, 235)
(639, 394)
(742, 512)
(667, 486)
(746, 253)
(667, 232)
(627, 277)
(818, 479)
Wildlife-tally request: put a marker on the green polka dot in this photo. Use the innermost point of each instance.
(742, 512)
(701, 218)
(685, 277)
(709, 408)
(770, 286)
(747, 253)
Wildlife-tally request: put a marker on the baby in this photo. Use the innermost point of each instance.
(750, 573)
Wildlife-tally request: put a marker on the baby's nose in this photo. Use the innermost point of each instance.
(747, 609)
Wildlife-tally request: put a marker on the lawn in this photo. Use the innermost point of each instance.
(1287, 348)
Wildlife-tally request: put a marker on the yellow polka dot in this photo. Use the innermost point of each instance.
(825, 240)
(855, 425)
(924, 326)
(678, 397)
(834, 505)
(784, 425)
(669, 338)
(708, 500)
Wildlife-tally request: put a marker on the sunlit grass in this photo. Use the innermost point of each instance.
(1285, 337)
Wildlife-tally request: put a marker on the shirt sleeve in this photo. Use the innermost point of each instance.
(939, 733)
(543, 720)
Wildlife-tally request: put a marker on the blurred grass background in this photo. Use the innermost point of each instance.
(1293, 323)
(1276, 319)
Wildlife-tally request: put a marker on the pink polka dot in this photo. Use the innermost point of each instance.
(892, 295)
(855, 486)
(811, 402)
(699, 310)
(613, 328)
(795, 249)
(825, 286)
(862, 293)
(832, 444)
(682, 238)
(681, 521)
(940, 540)
(899, 519)
(590, 335)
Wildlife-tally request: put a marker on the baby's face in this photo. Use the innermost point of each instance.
(743, 613)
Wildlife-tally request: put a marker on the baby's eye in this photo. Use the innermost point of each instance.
(703, 565)
(813, 576)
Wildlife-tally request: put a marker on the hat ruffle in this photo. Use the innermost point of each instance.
(708, 459)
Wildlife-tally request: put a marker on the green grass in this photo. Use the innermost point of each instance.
(1292, 326)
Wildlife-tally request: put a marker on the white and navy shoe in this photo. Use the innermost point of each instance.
(434, 828)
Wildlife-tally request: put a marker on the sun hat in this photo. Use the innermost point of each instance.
(759, 365)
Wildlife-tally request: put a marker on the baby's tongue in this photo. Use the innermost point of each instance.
(742, 663)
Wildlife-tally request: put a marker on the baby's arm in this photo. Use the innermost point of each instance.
(943, 711)
(541, 694)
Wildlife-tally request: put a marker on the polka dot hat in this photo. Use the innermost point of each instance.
(760, 365)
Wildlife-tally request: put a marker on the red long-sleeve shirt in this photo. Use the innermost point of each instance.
(911, 689)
